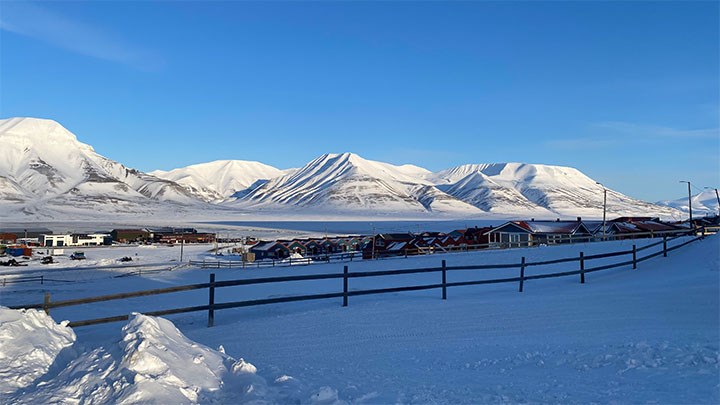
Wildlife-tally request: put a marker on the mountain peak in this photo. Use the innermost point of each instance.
(38, 131)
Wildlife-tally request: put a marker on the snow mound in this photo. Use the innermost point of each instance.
(154, 363)
(166, 364)
(31, 341)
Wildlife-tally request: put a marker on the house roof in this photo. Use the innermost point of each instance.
(512, 224)
(396, 236)
(654, 226)
(554, 227)
(265, 246)
(396, 246)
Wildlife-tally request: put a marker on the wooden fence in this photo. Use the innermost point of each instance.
(289, 261)
(443, 285)
(416, 251)
(31, 279)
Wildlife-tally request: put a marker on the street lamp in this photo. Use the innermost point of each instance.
(689, 200)
(604, 207)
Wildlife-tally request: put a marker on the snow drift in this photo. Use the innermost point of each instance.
(152, 363)
(31, 341)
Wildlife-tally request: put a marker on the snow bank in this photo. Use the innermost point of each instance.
(170, 368)
(154, 363)
(31, 341)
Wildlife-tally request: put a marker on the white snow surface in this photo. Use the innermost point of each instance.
(43, 165)
(703, 203)
(46, 173)
(31, 341)
(649, 335)
(220, 179)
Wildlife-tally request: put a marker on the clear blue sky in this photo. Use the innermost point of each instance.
(627, 92)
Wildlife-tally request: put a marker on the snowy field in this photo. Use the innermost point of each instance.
(649, 335)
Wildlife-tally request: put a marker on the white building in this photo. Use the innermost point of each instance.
(75, 239)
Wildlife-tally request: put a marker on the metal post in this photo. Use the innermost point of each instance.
(634, 253)
(522, 274)
(211, 301)
(345, 286)
(690, 204)
(582, 267)
(444, 281)
(46, 304)
(604, 209)
(664, 245)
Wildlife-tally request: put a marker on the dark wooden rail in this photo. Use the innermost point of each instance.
(346, 276)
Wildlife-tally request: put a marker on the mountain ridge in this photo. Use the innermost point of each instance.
(45, 164)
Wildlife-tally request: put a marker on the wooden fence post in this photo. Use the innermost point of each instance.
(46, 304)
(345, 286)
(522, 274)
(664, 245)
(634, 253)
(211, 301)
(444, 280)
(582, 267)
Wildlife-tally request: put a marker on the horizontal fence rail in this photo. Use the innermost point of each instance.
(346, 276)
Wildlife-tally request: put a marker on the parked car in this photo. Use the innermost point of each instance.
(78, 256)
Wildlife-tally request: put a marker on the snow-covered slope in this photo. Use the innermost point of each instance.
(348, 182)
(523, 187)
(45, 172)
(220, 179)
(479, 190)
(703, 203)
(43, 164)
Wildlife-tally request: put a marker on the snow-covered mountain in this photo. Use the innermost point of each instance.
(218, 180)
(42, 165)
(347, 182)
(45, 169)
(703, 203)
(537, 189)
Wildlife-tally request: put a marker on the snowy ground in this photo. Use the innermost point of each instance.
(649, 335)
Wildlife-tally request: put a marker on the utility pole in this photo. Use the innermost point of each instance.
(689, 201)
(604, 208)
(182, 244)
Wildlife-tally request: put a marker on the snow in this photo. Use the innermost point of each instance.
(703, 203)
(153, 362)
(47, 173)
(645, 335)
(219, 179)
(45, 169)
(538, 190)
(31, 341)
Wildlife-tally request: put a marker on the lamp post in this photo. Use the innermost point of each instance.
(604, 207)
(689, 201)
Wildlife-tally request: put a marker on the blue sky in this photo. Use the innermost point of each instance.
(627, 92)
